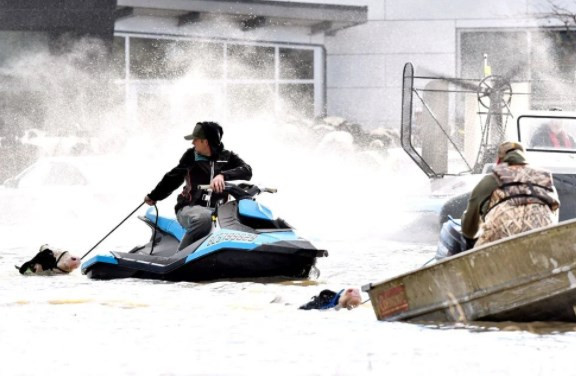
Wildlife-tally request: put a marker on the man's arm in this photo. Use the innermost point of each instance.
(480, 193)
(172, 179)
(236, 169)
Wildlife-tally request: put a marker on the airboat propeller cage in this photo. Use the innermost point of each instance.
(436, 115)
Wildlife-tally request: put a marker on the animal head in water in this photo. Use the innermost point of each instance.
(50, 260)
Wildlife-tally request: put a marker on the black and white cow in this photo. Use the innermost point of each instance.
(50, 261)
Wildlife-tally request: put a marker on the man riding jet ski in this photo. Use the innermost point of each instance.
(206, 163)
(212, 238)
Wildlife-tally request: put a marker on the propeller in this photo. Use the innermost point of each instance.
(495, 91)
(500, 81)
(464, 83)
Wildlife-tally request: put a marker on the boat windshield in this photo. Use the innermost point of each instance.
(549, 140)
(544, 133)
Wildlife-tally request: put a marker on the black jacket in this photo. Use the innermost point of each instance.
(196, 172)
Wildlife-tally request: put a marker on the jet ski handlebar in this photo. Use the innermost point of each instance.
(241, 190)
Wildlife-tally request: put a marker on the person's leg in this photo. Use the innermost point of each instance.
(197, 221)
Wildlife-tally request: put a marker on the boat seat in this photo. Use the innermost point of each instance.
(168, 225)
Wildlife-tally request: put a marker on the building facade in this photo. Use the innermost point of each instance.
(445, 37)
(229, 58)
(307, 58)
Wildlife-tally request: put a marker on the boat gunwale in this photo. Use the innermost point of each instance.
(454, 302)
(487, 292)
(369, 286)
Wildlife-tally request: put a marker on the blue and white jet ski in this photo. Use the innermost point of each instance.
(246, 242)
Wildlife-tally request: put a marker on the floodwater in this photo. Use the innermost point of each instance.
(71, 325)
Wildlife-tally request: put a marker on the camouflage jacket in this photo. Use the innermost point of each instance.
(522, 185)
(480, 201)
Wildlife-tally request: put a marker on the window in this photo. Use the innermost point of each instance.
(297, 99)
(296, 64)
(545, 58)
(239, 79)
(118, 58)
(248, 99)
(168, 59)
(553, 66)
(250, 62)
(148, 58)
(508, 54)
(203, 60)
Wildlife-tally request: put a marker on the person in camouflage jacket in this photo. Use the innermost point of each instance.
(514, 198)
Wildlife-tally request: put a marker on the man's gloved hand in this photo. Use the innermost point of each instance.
(149, 201)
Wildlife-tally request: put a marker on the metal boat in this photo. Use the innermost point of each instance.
(527, 277)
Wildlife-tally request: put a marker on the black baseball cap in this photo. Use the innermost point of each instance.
(198, 132)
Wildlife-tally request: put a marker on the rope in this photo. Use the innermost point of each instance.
(114, 229)
(155, 227)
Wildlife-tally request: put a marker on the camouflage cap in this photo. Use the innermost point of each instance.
(507, 147)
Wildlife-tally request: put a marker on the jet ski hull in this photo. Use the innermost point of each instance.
(246, 242)
(224, 265)
(266, 261)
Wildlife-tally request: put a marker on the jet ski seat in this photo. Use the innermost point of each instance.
(167, 225)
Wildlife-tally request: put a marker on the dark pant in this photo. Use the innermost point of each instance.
(197, 221)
